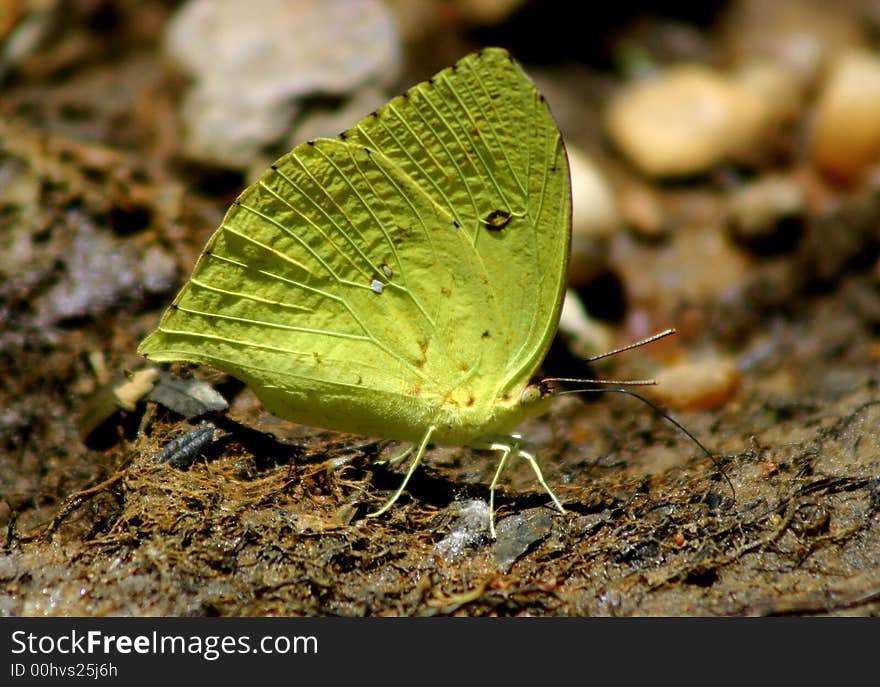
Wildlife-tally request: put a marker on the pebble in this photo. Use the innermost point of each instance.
(584, 335)
(132, 388)
(784, 95)
(800, 36)
(251, 62)
(469, 531)
(595, 217)
(846, 130)
(322, 123)
(698, 263)
(759, 212)
(102, 272)
(685, 121)
(518, 533)
(486, 12)
(642, 210)
(594, 208)
(188, 397)
(776, 85)
(696, 384)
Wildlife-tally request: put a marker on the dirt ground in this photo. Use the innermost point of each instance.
(101, 221)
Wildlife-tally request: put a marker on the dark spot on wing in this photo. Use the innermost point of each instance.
(470, 400)
(317, 357)
(497, 220)
(486, 334)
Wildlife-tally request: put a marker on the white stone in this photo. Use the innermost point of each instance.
(250, 62)
(585, 336)
(595, 217)
(594, 208)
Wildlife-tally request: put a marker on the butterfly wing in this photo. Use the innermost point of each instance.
(479, 139)
(412, 267)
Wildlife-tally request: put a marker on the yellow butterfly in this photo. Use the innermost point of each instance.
(403, 280)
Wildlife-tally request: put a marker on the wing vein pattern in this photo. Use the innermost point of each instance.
(412, 263)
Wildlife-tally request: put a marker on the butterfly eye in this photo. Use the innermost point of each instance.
(531, 394)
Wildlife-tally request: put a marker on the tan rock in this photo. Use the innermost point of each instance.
(800, 35)
(846, 131)
(642, 210)
(685, 121)
(696, 384)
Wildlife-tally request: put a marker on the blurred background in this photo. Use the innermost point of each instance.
(725, 168)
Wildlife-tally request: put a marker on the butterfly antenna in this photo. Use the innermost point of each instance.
(657, 409)
(627, 382)
(639, 382)
(642, 342)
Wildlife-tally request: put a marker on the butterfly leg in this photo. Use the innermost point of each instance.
(394, 460)
(506, 450)
(505, 454)
(412, 468)
(537, 469)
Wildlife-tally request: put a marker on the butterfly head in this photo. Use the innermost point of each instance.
(536, 397)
